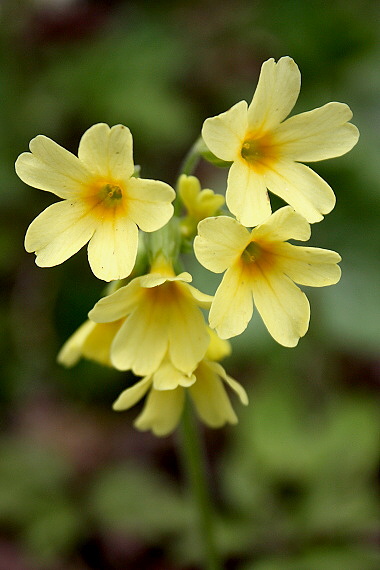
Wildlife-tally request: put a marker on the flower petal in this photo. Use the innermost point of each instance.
(199, 203)
(202, 299)
(58, 232)
(189, 188)
(220, 242)
(283, 307)
(318, 134)
(148, 203)
(113, 248)
(132, 395)
(167, 377)
(52, 168)
(224, 134)
(308, 265)
(210, 398)
(161, 412)
(187, 333)
(154, 279)
(247, 196)
(92, 341)
(97, 345)
(276, 94)
(218, 348)
(232, 383)
(282, 225)
(71, 351)
(107, 151)
(232, 307)
(142, 341)
(118, 305)
(302, 188)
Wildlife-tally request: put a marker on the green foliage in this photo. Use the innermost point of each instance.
(132, 499)
(330, 558)
(135, 83)
(302, 472)
(34, 500)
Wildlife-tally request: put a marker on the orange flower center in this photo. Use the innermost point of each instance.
(251, 253)
(104, 197)
(258, 152)
(257, 258)
(110, 194)
(168, 299)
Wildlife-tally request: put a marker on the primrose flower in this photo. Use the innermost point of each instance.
(261, 269)
(166, 394)
(92, 341)
(266, 152)
(103, 203)
(199, 203)
(164, 317)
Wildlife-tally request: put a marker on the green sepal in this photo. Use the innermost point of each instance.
(165, 242)
(206, 154)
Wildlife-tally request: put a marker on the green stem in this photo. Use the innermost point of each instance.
(188, 166)
(192, 158)
(165, 241)
(194, 460)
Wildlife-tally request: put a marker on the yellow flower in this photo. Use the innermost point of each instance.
(103, 203)
(218, 348)
(266, 151)
(90, 340)
(163, 318)
(164, 404)
(199, 203)
(262, 269)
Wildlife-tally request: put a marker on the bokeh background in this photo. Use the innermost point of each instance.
(296, 483)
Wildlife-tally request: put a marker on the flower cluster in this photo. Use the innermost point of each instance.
(152, 322)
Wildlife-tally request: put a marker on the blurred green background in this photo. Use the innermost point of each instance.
(296, 483)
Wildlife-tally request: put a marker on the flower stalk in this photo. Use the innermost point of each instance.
(192, 158)
(194, 459)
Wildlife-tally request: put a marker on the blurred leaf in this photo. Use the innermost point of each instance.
(35, 502)
(297, 470)
(55, 532)
(29, 475)
(132, 499)
(123, 76)
(349, 308)
(328, 558)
